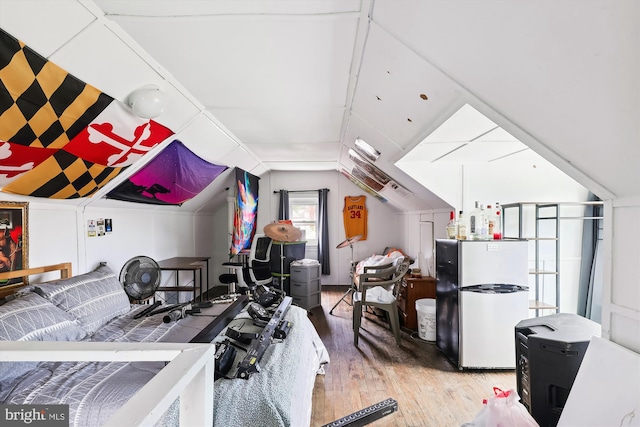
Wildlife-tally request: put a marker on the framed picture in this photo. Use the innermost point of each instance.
(14, 239)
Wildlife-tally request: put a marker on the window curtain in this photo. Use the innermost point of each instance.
(323, 231)
(283, 206)
(590, 284)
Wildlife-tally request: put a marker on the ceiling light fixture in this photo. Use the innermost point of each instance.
(147, 102)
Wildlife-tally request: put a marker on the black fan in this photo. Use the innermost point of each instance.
(140, 277)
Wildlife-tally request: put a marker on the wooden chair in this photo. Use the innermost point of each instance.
(379, 289)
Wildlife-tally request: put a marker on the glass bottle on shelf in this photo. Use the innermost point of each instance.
(474, 222)
(462, 227)
(497, 227)
(452, 226)
(482, 225)
(491, 221)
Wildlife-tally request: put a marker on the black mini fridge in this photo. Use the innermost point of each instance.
(549, 351)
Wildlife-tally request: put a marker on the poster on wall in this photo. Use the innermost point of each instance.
(14, 238)
(246, 211)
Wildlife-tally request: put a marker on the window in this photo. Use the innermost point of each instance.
(303, 213)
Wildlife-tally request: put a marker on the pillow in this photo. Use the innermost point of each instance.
(94, 298)
(30, 317)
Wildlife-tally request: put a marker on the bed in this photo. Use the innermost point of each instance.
(279, 395)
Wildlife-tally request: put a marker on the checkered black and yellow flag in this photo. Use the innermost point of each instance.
(41, 105)
(63, 176)
(86, 136)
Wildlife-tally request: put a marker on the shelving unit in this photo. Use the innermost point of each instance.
(544, 220)
(305, 285)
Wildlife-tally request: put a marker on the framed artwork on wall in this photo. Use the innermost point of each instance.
(14, 239)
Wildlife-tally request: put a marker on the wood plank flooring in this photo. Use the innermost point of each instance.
(429, 390)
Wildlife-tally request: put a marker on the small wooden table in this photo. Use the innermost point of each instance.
(193, 264)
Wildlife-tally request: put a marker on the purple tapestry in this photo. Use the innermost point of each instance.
(171, 178)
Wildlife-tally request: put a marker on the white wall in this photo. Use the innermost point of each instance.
(621, 299)
(58, 233)
(384, 223)
(507, 181)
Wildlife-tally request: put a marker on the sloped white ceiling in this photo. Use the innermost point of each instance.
(289, 85)
(560, 76)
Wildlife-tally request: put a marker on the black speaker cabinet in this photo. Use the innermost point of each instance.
(549, 351)
(283, 254)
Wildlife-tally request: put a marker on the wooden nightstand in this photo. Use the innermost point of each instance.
(413, 289)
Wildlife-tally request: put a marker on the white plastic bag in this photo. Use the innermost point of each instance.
(503, 409)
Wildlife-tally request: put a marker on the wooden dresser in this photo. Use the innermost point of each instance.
(413, 289)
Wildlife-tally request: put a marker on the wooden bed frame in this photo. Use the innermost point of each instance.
(64, 269)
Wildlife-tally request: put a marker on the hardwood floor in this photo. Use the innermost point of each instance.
(429, 390)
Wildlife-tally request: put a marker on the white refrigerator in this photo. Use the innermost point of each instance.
(481, 295)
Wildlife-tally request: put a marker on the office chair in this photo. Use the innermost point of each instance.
(380, 289)
(255, 272)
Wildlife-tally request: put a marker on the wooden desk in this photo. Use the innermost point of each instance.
(413, 289)
(193, 264)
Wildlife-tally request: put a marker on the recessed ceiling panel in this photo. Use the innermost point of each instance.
(207, 139)
(295, 152)
(306, 125)
(241, 158)
(37, 28)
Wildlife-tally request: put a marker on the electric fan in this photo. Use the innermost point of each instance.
(140, 277)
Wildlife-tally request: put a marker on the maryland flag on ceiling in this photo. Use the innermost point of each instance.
(60, 137)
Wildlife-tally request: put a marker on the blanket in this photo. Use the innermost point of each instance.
(281, 393)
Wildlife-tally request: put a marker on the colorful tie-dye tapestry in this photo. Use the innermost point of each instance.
(60, 137)
(171, 178)
(246, 211)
